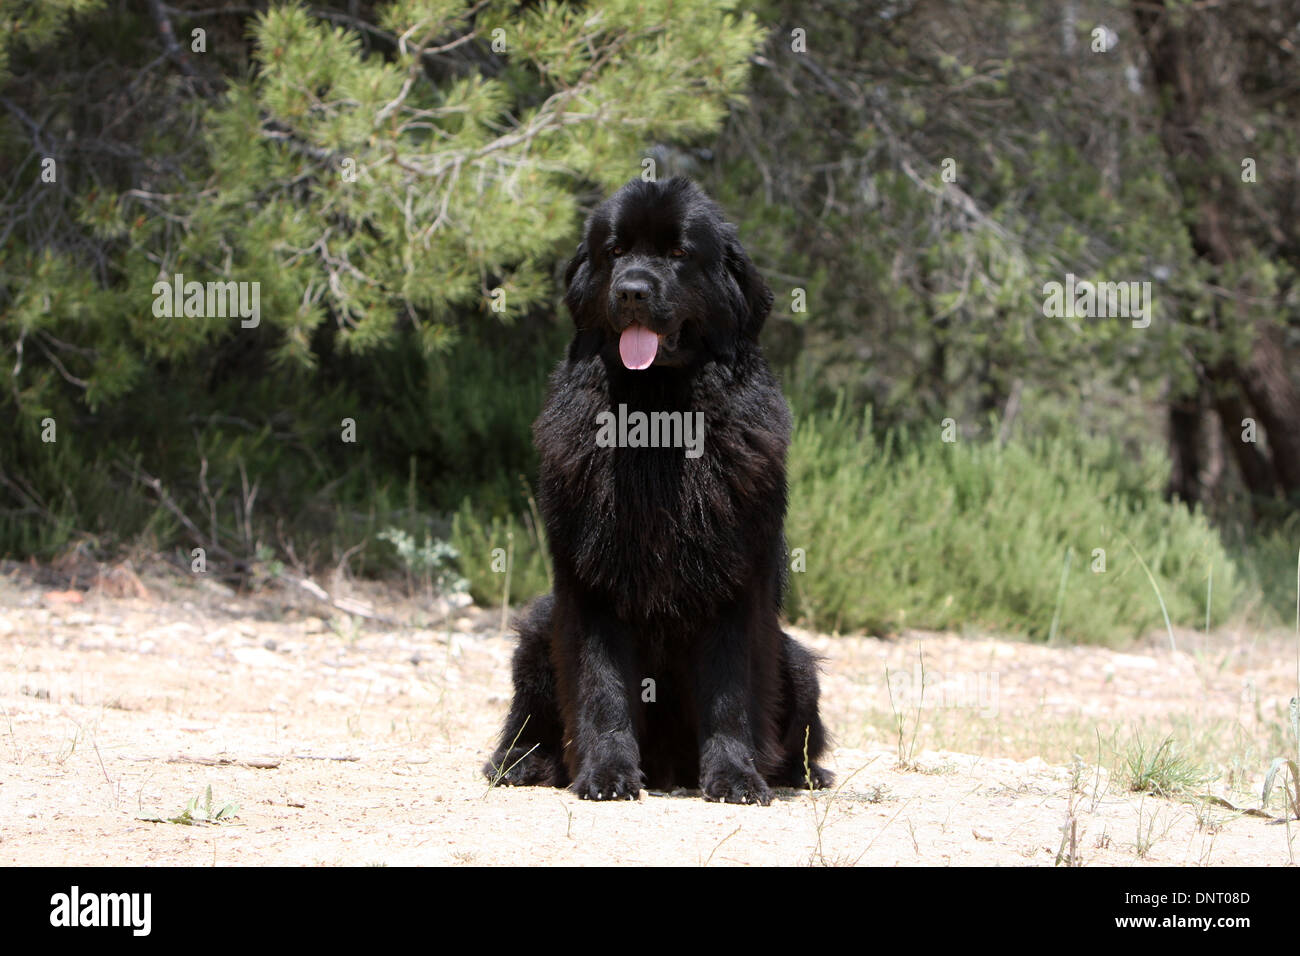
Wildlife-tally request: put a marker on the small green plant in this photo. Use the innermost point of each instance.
(433, 561)
(267, 564)
(1169, 628)
(1291, 785)
(1068, 852)
(1291, 782)
(907, 747)
(1163, 770)
(821, 807)
(493, 547)
(1147, 837)
(201, 811)
(502, 769)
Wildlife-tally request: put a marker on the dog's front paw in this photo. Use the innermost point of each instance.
(608, 780)
(816, 778)
(801, 777)
(734, 783)
(523, 767)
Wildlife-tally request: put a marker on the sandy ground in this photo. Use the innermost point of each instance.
(346, 742)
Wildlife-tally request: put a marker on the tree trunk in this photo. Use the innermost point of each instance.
(1187, 91)
(1254, 466)
(1185, 449)
(1272, 394)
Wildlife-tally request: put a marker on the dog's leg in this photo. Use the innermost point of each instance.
(729, 769)
(595, 665)
(803, 738)
(528, 752)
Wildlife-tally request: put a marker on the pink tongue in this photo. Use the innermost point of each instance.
(638, 346)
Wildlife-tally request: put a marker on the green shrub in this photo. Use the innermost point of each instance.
(489, 545)
(924, 533)
(431, 560)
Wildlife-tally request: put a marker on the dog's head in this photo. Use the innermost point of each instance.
(660, 279)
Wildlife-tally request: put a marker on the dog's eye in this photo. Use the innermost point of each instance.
(617, 251)
(678, 253)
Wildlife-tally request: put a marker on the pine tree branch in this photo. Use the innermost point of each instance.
(175, 53)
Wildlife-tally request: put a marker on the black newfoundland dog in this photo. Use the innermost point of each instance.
(659, 658)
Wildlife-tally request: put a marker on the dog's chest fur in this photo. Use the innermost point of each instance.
(658, 533)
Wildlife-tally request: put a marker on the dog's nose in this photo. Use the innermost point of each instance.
(632, 292)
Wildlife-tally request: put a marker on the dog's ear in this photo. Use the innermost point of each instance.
(579, 259)
(577, 286)
(754, 291)
(587, 341)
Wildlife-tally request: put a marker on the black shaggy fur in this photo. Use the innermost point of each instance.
(667, 568)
